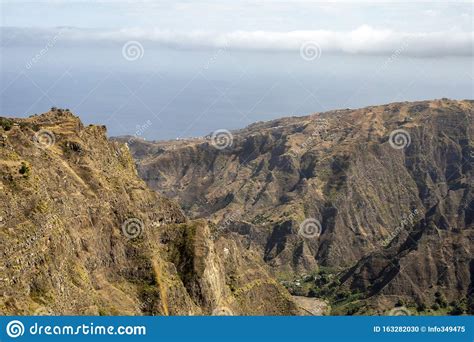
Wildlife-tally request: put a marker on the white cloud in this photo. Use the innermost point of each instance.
(364, 40)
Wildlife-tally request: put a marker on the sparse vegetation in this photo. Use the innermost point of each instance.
(24, 170)
(72, 146)
(441, 300)
(399, 303)
(421, 307)
(6, 124)
(458, 308)
(181, 262)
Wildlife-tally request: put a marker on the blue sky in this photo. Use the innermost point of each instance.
(207, 65)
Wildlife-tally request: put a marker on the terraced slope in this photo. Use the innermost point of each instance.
(80, 233)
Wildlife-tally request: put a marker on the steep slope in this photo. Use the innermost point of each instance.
(379, 199)
(80, 233)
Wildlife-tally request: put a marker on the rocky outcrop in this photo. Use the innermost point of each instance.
(81, 233)
(380, 197)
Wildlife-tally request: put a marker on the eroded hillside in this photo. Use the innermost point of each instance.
(375, 204)
(80, 233)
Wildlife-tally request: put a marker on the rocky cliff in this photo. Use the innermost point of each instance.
(80, 233)
(372, 208)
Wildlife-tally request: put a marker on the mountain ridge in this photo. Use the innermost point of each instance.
(380, 182)
(362, 211)
(81, 234)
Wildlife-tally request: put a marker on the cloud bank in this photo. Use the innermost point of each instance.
(364, 40)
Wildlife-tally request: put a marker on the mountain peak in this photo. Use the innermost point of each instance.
(376, 184)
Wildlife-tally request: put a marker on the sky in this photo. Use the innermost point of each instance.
(191, 67)
(422, 16)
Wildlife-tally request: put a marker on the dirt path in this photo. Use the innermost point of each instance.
(311, 306)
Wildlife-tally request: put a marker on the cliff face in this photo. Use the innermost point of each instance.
(366, 208)
(80, 233)
(381, 198)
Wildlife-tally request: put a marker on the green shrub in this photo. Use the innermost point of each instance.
(342, 295)
(352, 309)
(6, 124)
(421, 307)
(441, 301)
(24, 170)
(23, 125)
(400, 302)
(456, 311)
(458, 308)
